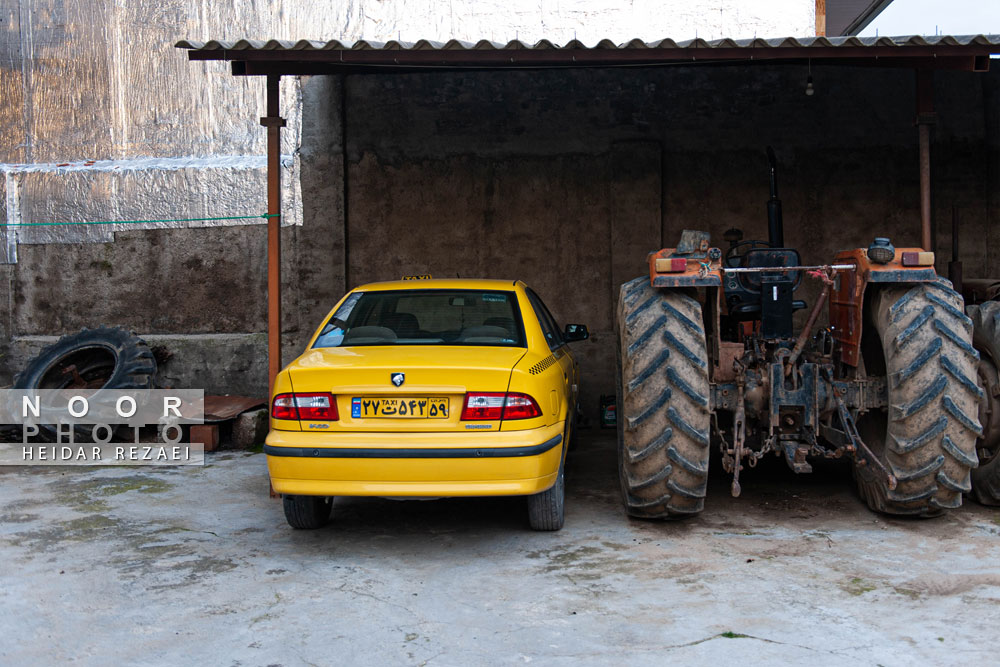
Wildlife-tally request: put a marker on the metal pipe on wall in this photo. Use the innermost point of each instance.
(925, 118)
(273, 122)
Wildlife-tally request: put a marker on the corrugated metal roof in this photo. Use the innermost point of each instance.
(258, 57)
(991, 42)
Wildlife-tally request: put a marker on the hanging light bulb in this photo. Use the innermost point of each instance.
(809, 80)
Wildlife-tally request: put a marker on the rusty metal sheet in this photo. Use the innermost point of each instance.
(223, 408)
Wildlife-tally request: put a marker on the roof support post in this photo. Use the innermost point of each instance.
(925, 119)
(273, 122)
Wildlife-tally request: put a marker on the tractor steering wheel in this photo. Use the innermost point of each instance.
(734, 258)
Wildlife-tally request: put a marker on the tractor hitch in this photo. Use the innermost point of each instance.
(796, 408)
(856, 447)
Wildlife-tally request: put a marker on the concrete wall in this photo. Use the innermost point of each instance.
(563, 179)
(102, 119)
(567, 179)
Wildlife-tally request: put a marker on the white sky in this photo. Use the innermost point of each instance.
(947, 17)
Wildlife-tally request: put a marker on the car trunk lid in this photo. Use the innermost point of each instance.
(403, 388)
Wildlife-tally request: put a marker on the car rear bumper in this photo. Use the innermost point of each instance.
(504, 463)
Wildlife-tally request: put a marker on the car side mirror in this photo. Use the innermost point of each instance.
(575, 332)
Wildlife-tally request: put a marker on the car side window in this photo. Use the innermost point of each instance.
(547, 322)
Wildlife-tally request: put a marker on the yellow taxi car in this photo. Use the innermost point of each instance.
(427, 388)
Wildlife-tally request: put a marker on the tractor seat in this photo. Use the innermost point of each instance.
(745, 299)
(762, 258)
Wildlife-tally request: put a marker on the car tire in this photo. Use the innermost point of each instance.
(307, 512)
(547, 510)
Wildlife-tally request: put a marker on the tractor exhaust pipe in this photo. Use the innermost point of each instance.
(775, 227)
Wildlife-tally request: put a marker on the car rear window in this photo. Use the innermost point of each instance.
(425, 317)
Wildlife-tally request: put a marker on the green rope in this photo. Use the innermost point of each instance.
(131, 222)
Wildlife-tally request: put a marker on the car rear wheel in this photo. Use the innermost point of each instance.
(307, 512)
(547, 510)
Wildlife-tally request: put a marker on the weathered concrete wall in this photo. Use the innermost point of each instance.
(567, 179)
(563, 179)
(102, 119)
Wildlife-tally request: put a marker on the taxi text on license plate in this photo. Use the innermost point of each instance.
(407, 408)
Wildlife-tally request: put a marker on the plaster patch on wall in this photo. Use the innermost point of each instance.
(147, 189)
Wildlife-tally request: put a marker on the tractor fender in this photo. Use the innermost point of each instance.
(848, 297)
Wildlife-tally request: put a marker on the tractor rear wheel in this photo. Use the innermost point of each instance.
(927, 436)
(663, 401)
(986, 339)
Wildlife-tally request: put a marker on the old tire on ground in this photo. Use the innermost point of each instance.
(547, 510)
(105, 357)
(102, 358)
(986, 339)
(662, 398)
(927, 436)
(307, 512)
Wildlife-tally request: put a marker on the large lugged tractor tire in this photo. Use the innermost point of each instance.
(663, 402)
(105, 357)
(986, 339)
(101, 358)
(927, 437)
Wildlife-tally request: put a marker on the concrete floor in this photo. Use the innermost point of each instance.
(197, 566)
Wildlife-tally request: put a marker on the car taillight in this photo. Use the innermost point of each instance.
(494, 406)
(316, 407)
(283, 407)
(520, 406)
(308, 407)
(481, 406)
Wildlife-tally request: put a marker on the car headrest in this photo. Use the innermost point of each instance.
(483, 334)
(505, 322)
(404, 324)
(369, 335)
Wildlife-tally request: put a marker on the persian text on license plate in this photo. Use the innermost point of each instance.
(407, 408)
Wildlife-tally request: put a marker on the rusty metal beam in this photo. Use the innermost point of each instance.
(273, 122)
(291, 68)
(925, 119)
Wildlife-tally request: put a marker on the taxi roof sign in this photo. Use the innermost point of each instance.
(425, 276)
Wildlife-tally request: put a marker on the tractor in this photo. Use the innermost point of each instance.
(709, 356)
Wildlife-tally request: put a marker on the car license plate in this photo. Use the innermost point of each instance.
(396, 408)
